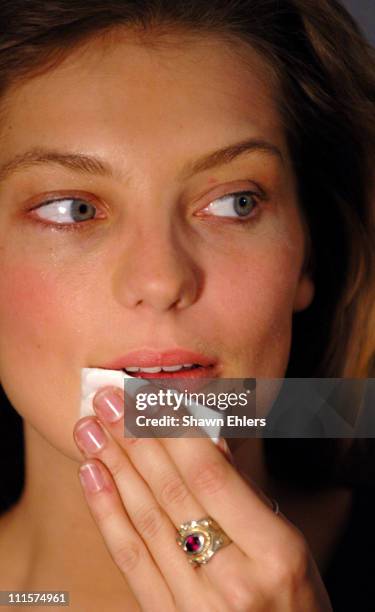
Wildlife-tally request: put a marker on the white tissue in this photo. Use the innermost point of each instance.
(92, 379)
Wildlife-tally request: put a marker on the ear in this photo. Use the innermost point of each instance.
(304, 293)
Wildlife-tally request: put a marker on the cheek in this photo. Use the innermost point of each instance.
(254, 305)
(37, 340)
(43, 309)
(32, 332)
(30, 311)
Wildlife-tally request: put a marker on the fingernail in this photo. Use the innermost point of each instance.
(90, 436)
(91, 477)
(109, 405)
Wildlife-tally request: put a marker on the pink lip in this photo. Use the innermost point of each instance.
(146, 358)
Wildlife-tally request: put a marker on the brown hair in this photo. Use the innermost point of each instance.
(327, 81)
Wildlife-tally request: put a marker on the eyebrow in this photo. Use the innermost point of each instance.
(227, 154)
(78, 162)
(88, 164)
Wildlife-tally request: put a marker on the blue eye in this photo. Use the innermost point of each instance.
(66, 210)
(241, 204)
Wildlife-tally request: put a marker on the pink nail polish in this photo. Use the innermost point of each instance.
(109, 405)
(90, 437)
(91, 477)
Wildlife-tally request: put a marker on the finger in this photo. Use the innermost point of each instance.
(151, 461)
(155, 465)
(223, 446)
(151, 523)
(124, 545)
(233, 503)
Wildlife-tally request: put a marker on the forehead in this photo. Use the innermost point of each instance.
(125, 89)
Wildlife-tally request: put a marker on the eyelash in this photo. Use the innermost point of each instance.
(79, 226)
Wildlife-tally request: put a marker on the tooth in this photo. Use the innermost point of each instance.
(132, 369)
(150, 370)
(174, 368)
(188, 365)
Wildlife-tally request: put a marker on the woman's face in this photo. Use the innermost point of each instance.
(162, 255)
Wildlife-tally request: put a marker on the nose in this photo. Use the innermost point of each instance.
(156, 271)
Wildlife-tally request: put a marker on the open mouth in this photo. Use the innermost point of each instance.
(191, 370)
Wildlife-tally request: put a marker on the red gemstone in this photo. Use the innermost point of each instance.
(193, 543)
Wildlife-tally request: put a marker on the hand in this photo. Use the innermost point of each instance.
(140, 491)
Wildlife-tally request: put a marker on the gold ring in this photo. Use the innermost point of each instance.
(200, 540)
